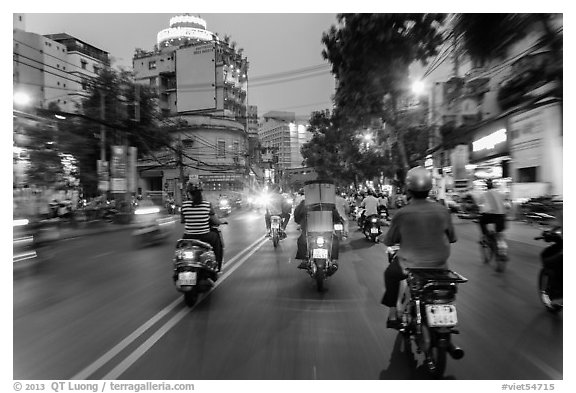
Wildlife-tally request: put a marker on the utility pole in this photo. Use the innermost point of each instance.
(180, 164)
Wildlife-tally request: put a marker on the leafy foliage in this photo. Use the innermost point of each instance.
(370, 56)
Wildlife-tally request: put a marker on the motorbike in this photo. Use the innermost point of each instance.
(152, 228)
(550, 284)
(371, 228)
(224, 208)
(195, 267)
(429, 316)
(360, 217)
(339, 230)
(384, 216)
(276, 231)
(320, 264)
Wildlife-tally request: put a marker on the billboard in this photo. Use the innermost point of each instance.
(196, 78)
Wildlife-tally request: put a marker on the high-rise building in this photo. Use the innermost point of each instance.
(195, 71)
(283, 136)
(202, 84)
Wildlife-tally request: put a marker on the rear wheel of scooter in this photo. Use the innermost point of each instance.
(545, 279)
(437, 366)
(190, 297)
(275, 240)
(320, 280)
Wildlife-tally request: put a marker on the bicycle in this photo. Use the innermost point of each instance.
(493, 247)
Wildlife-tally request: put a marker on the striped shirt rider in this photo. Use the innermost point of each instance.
(197, 217)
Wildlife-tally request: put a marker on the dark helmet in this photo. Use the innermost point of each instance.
(192, 187)
(419, 179)
(489, 184)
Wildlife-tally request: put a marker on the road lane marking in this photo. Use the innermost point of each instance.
(149, 343)
(91, 369)
(104, 359)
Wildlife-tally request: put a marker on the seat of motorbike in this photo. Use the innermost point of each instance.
(192, 242)
(442, 275)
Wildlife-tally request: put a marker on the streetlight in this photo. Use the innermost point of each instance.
(21, 99)
(418, 87)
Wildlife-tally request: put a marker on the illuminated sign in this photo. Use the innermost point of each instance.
(490, 141)
(184, 32)
(187, 19)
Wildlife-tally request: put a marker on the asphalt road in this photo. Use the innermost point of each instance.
(104, 307)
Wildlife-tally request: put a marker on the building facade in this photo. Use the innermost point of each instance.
(202, 84)
(283, 137)
(502, 120)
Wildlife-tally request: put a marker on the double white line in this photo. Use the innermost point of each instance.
(158, 334)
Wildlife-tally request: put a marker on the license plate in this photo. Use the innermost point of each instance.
(338, 227)
(373, 230)
(320, 253)
(275, 225)
(441, 315)
(187, 278)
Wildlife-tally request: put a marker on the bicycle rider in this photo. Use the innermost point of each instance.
(492, 211)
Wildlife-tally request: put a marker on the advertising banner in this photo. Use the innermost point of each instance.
(196, 78)
(118, 170)
(490, 141)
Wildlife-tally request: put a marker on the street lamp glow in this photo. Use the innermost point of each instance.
(418, 87)
(21, 99)
(368, 137)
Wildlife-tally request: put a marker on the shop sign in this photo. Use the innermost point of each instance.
(491, 141)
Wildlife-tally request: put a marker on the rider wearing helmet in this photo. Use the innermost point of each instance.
(424, 231)
(197, 214)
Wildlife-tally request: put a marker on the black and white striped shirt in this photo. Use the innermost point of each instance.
(196, 217)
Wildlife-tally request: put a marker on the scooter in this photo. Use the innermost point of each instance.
(320, 263)
(550, 286)
(276, 231)
(195, 267)
(224, 207)
(371, 228)
(429, 318)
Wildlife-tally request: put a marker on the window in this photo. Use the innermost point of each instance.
(96, 69)
(236, 148)
(221, 149)
(152, 65)
(527, 175)
(83, 63)
(84, 85)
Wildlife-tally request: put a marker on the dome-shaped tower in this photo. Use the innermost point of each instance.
(184, 29)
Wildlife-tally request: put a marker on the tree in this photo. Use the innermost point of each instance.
(370, 56)
(80, 134)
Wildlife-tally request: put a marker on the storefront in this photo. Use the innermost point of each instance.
(537, 152)
(490, 156)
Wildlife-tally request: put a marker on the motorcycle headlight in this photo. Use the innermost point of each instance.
(374, 220)
(19, 223)
(320, 241)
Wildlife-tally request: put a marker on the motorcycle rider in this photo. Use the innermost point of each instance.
(274, 208)
(383, 203)
(343, 210)
(302, 250)
(370, 204)
(424, 231)
(197, 215)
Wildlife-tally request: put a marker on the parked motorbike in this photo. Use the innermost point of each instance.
(371, 228)
(429, 316)
(550, 278)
